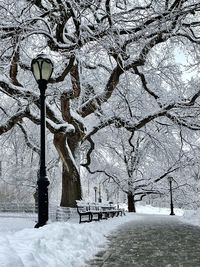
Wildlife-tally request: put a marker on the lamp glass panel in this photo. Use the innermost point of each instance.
(36, 70)
(46, 70)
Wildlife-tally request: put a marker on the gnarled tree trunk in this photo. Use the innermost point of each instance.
(71, 188)
(71, 185)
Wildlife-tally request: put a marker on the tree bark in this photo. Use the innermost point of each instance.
(71, 185)
(71, 189)
(131, 203)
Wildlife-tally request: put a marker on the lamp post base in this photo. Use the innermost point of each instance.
(39, 224)
(43, 203)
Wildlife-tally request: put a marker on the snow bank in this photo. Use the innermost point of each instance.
(57, 244)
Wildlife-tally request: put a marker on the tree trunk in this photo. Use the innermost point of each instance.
(131, 203)
(71, 189)
(71, 185)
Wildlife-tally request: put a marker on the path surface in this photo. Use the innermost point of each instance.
(158, 241)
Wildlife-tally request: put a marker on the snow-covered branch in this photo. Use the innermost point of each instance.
(12, 121)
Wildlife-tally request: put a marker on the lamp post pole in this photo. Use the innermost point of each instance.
(107, 195)
(95, 194)
(171, 199)
(42, 69)
(43, 182)
(100, 200)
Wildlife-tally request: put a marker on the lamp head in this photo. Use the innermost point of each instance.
(42, 68)
(170, 179)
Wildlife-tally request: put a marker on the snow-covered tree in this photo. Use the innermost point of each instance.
(99, 47)
(138, 164)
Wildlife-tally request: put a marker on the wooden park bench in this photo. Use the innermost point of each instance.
(111, 210)
(89, 212)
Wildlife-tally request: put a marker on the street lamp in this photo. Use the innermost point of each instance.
(42, 68)
(95, 194)
(100, 200)
(107, 194)
(171, 200)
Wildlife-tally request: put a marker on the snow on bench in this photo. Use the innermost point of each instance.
(89, 212)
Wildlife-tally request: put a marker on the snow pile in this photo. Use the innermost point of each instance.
(191, 217)
(57, 244)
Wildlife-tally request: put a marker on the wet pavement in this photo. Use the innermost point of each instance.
(156, 241)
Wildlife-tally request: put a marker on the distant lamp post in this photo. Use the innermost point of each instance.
(42, 69)
(100, 199)
(95, 194)
(170, 179)
(107, 194)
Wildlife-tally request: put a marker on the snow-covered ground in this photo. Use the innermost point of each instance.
(62, 244)
(192, 217)
(187, 216)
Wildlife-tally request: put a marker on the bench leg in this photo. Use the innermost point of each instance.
(100, 216)
(90, 217)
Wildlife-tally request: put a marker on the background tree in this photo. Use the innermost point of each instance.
(138, 165)
(19, 166)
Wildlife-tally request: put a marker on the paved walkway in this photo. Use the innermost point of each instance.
(158, 241)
